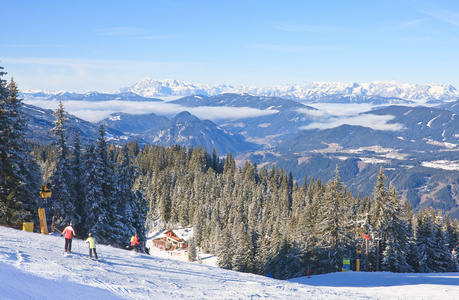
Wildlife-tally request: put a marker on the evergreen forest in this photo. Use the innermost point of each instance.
(254, 219)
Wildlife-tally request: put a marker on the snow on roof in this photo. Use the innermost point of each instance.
(184, 233)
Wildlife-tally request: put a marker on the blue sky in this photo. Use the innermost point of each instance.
(102, 46)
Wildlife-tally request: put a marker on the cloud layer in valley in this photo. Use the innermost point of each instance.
(376, 122)
(99, 110)
(333, 115)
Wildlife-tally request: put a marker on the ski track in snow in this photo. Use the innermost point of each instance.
(34, 266)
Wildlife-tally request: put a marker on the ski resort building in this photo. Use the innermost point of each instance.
(175, 239)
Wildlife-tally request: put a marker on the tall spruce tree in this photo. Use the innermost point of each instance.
(62, 202)
(394, 257)
(333, 229)
(4, 188)
(78, 175)
(446, 262)
(425, 242)
(126, 201)
(96, 217)
(107, 204)
(19, 174)
(225, 250)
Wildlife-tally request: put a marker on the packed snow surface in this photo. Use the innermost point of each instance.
(33, 266)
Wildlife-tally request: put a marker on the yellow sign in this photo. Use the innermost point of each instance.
(27, 226)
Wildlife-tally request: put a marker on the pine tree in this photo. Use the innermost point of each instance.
(242, 260)
(445, 260)
(412, 255)
(132, 205)
(394, 257)
(124, 197)
(380, 210)
(19, 174)
(333, 231)
(276, 263)
(225, 250)
(62, 201)
(107, 205)
(425, 243)
(5, 206)
(95, 212)
(78, 171)
(451, 233)
(297, 261)
(192, 251)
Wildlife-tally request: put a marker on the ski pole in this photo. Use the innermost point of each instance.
(57, 240)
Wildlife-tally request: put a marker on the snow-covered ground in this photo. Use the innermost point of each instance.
(33, 266)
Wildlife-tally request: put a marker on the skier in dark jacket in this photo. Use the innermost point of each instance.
(68, 233)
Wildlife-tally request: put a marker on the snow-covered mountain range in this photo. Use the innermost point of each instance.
(389, 91)
(313, 91)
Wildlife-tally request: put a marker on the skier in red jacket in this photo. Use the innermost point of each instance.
(68, 232)
(135, 243)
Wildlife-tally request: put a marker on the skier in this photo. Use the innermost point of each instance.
(135, 243)
(92, 246)
(67, 233)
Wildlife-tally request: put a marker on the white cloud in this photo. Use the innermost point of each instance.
(336, 109)
(99, 110)
(376, 122)
(312, 112)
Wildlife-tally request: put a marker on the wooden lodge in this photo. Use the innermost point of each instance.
(176, 239)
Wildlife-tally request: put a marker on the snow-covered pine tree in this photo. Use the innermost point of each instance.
(425, 242)
(19, 175)
(412, 255)
(297, 261)
(96, 218)
(382, 212)
(132, 206)
(122, 208)
(62, 202)
(4, 189)
(78, 172)
(445, 260)
(453, 240)
(192, 251)
(243, 259)
(108, 206)
(277, 260)
(451, 233)
(333, 232)
(394, 256)
(28, 169)
(225, 250)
